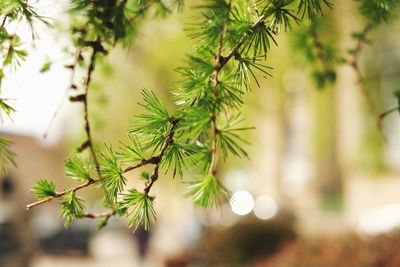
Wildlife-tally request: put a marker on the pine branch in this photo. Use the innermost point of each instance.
(319, 46)
(153, 160)
(60, 194)
(168, 141)
(3, 22)
(389, 111)
(96, 48)
(105, 215)
(354, 64)
(235, 50)
(72, 86)
(221, 61)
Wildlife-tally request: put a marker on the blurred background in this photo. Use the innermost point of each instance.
(320, 188)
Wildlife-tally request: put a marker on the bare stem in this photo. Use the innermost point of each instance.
(320, 49)
(153, 160)
(3, 22)
(71, 85)
(354, 63)
(96, 46)
(387, 112)
(105, 215)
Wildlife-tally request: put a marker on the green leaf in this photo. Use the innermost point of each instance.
(102, 223)
(44, 189)
(139, 208)
(71, 208)
(5, 109)
(208, 192)
(378, 11)
(207, 29)
(258, 41)
(229, 140)
(177, 155)
(247, 68)
(279, 13)
(155, 122)
(202, 158)
(195, 123)
(145, 176)
(45, 67)
(131, 152)
(7, 156)
(396, 93)
(111, 172)
(77, 170)
(312, 7)
(15, 54)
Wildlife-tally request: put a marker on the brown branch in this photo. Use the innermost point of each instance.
(153, 160)
(219, 64)
(96, 48)
(224, 59)
(169, 140)
(387, 112)
(61, 194)
(221, 61)
(319, 46)
(105, 215)
(354, 63)
(3, 22)
(72, 85)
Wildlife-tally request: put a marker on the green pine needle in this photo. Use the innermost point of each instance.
(131, 152)
(77, 170)
(312, 7)
(229, 140)
(144, 176)
(71, 208)
(178, 156)
(7, 156)
(138, 207)
(102, 223)
(44, 189)
(280, 14)
(111, 172)
(155, 121)
(208, 192)
(377, 11)
(5, 109)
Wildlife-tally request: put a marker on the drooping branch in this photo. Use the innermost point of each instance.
(355, 65)
(319, 46)
(221, 61)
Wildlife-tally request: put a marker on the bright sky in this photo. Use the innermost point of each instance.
(36, 96)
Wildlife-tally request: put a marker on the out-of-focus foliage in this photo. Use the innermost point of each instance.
(12, 54)
(233, 40)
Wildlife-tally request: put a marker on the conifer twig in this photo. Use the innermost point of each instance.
(354, 63)
(62, 193)
(71, 85)
(169, 140)
(319, 46)
(96, 48)
(106, 215)
(221, 61)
